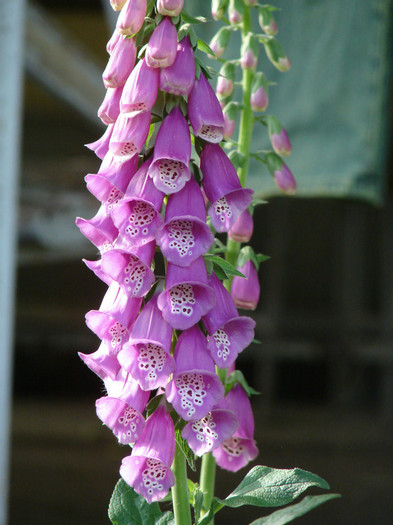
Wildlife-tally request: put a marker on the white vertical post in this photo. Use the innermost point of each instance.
(11, 73)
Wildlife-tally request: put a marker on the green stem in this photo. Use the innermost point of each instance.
(180, 499)
(207, 481)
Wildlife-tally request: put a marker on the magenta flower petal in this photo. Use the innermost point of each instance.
(206, 434)
(179, 78)
(129, 135)
(187, 296)
(100, 230)
(131, 270)
(140, 90)
(245, 291)
(238, 450)
(95, 266)
(170, 7)
(120, 63)
(101, 146)
(222, 187)
(125, 422)
(172, 151)
(103, 361)
(147, 355)
(185, 236)
(195, 387)
(137, 215)
(242, 229)
(110, 107)
(131, 17)
(204, 111)
(147, 470)
(111, 44)
(161, 49)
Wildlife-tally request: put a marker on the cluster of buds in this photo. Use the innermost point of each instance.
(165, 338)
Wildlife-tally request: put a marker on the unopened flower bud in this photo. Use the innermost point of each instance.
(230, 114)
(235, 11)
(225, 81)
(220, 41)
(282, 175)
(162, 46)
(249, 53)
(245, 291)
(266, 20)
(259, 92)
(179, 78)
(278, 137)
(132, 17)
(242, 228)
(170, 7)
(276, 55)
(218, 8)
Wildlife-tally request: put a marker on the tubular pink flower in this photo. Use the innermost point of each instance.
(147, 470)
(187, 296)
(120, 63)
(172, 151)
(170, 7)
(206, 434)
(222, 187)
(100, 230)
(204, 111)
(129, 135)
(238, 450)
(95, 267)
(110, 46)
(185, 236)
(147, 356)
(229, 333)
(140, 90)
(195, 387)
(101, 146)
(111, 181)
(242, 229)
(121, 410)
(131, 18)
(245, 291)
(137, 215)
(131, 270)
(161, 49)
(102, 362)
(110, 107)
(179, 78)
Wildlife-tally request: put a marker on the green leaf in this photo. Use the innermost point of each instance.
(188, 453)
(202, 46)
(262, 258)
(223, 265)
(151, 131)
(197, 502)
(126, 507)
(192, 19)
(269, 487)
(283, 516)
(153, 404)
(183, 31)
(238, 377)
(165, 519)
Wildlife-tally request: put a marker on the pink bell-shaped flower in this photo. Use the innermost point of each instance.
(100, 230)
(129, 135)
(206, 434)
(179, 78)
(172, 151)
(236, 451)
(138, 214)
(161, 49)
(245, 291)
(147, 356)
(242, 229)
(110, 107)
(148, 468)
(131, 270)
(204, 111)
(131, 17)
(101, 146)
(195, 387)
(222, 187)
(187, 296)
(140, 90)
(229, 333)
(111, 44)
(102, 362)
(120, 63)
(185, 236)
(121, 410)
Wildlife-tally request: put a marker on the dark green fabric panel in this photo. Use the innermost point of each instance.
(333, 101)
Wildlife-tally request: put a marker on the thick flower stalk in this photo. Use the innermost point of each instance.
(168, 342)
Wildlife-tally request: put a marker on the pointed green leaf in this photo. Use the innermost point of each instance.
(283, 516)
(126, 507)
(238, 377)
(165, 519)
(197, 502)
(224, 265)
(192, 19)
(269, 487)
(202, 46)
(188, 453)
(183, 31)
(153, 404)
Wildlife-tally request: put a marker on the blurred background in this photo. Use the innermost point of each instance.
(325, 363)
